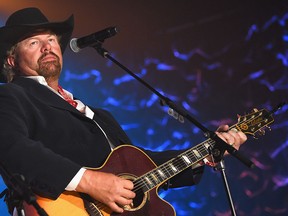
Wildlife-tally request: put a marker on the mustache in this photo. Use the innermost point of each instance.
(49, 53)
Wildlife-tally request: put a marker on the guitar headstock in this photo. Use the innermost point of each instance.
(254, 122)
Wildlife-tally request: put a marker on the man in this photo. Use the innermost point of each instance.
(47, 136)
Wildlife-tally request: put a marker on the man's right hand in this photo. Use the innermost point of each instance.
(107, 188)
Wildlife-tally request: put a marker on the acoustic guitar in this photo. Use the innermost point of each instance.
(131, 163)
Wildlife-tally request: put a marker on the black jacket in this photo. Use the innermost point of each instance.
(47, 140)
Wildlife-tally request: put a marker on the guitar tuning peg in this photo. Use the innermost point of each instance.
(269, 128)
(238, 117)
(254, 137)
(255, 109)
(261, 132)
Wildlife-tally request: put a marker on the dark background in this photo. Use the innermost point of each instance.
(215, 58)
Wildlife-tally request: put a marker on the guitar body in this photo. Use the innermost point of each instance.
(125, 161)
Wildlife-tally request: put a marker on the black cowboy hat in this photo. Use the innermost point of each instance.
(26, 21)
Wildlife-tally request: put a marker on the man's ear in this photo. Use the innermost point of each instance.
(11, 61)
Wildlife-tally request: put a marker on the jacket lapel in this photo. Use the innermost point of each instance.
(45, 95)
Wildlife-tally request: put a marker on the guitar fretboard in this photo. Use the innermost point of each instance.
(172, 167)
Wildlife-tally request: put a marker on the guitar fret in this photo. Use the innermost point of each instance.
(154, 177)
(148, 181)
(204, 151)
(207, 145)
(145, 187)
(173, 168)
(196, 153)
(181, 162)
(193, 156)
(168, 171)
(162, 175)
(186, 159)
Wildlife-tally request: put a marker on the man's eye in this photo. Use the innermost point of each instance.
(33, 43)
(52, 40)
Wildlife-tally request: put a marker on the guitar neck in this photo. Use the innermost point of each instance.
(248, 124)
(174, 166)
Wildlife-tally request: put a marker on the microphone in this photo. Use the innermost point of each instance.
(76, 44)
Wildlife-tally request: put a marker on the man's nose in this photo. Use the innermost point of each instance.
(46, 46)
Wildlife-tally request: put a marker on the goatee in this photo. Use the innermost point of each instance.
(50, 69)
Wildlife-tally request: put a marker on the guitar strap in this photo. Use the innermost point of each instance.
(109, 141)
(109, 127)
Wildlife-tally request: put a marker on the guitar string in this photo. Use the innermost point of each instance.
(176, 162)
(140, 182)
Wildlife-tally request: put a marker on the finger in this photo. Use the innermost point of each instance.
(222, 128)
(115, 208)
(127, 184)
(227, 138)
(239, 136)
(122, 201)
(242, 136)
(128, 194)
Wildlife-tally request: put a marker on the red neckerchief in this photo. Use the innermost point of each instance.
(66, 97)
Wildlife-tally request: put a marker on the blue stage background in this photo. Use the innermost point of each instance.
(214, 58)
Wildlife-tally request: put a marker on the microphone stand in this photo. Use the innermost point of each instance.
(220, 146)
(221, 167)
(19, 190)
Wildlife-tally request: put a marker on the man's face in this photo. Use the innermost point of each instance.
(39, 54)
